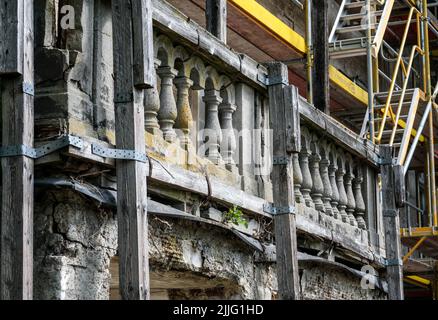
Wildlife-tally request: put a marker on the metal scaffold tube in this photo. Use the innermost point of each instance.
(309, 45)
(431, 129)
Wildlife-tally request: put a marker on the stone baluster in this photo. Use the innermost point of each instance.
(360, 203)
(184, 119)
(213, 132)
(152, 106)
(351, 203)
(306, 186)
(298, 178)
(229, 144)
(335, 193)
(340, 173)
(317, 187)
(168, 111)
(327, 193)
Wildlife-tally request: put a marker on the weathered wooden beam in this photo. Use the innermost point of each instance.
(285, 123)
(17, 37)
(391, 224)
(11, 36)
(131, 175)
(143, 42)
(216, 16)
(321, 59)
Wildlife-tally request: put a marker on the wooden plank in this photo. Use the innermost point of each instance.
(321, 59)
(143, 42)
(391, 224)
(16, 262)
(216, 16)
(131, 175)
(282, 119)
(11, 36)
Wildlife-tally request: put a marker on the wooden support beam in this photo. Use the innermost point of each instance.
(391, 224)
(144, 72)
(216, 15)
(12, 32)
(17, 37)
(285, 121)
(131, 175)
(321, 59)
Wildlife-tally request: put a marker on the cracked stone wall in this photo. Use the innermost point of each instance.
(75, 241)
(329, 284)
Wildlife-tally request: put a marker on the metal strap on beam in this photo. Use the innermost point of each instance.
(280, 160)
(277, 211)
(28, 88)
(390, 213)
(393, 262)
(36, 153)
(119, 154)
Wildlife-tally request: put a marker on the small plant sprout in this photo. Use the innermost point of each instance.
(235, 216)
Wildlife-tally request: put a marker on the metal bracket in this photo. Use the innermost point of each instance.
(124, 97)
(36, 153)
(280, 160)
(276, 80)
(393, 262)
(391, 213)
(277, 211)
(120, 154)
(28, 88)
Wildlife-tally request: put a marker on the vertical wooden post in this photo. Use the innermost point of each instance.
(216, 15)
(283, 101)
(391, 224)
(321, 59)
(131, 175)
(17, 101)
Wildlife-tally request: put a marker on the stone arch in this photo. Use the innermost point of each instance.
(164, 51)
(195, 70)
(212, 79)
(228, 91)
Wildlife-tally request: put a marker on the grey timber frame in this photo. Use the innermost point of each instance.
(17, 62)
(391, 223)
(132, 35)
(285, 121)
(216, 16)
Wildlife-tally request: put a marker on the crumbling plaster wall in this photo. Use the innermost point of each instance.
(75, 240)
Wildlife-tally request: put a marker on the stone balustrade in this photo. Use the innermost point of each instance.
(192, 96)
(329, 179)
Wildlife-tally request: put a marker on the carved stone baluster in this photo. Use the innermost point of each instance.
(213, 132)
(317, 187)
(306, 186)
(360, 203)
(152, 106)
(298, 178)
(341, 188)
(335, 193)
(351, 203)
(184, 120)
(168, 110)
(229, 144)
(327, 193)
